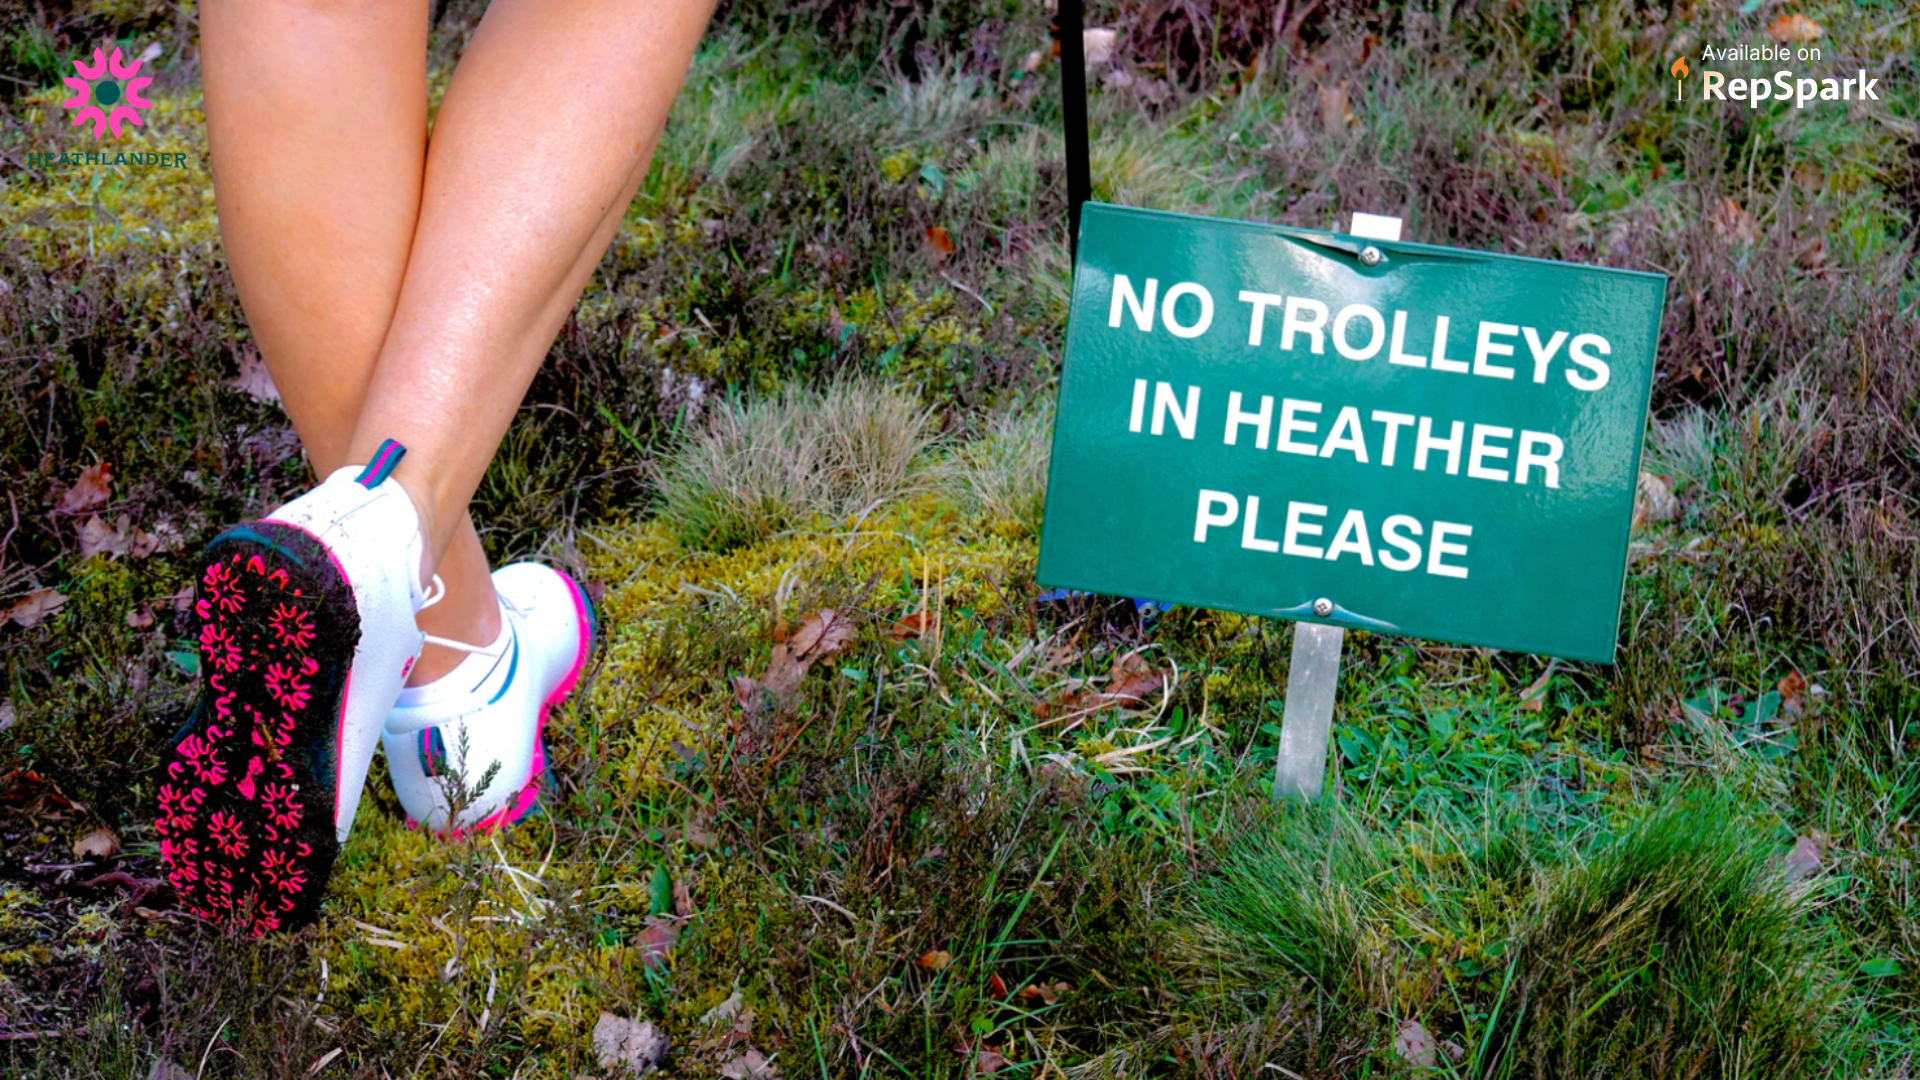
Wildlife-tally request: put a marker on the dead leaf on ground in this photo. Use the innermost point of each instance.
(1130, 682)
(181, 600)
(940, 241)
(752, 1065)
(1805, 860)
(1336, 110)
(6, 715)
(1044, 993)
(93, 488)
(139, 619)
(1811, 256)
(101, 843)
(934, 960)
(1032, 62)
(989, 1061)
(1415, 1045)
(633, 1045)
(34, 795)
(913, 626)
(32, 609)
(1654, 500)
(99, 537)
(1795, 27)
(1098, 42)
(1534, 697)
(1793, 694)
(724, 1012)
(747, 691)
(1732, 222)
(656, 942)
(254, 379)
(164, 537)
(821, 635)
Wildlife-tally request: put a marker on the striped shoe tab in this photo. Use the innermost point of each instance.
(433, 752)
(381, 466)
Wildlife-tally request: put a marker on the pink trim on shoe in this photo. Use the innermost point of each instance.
(530, 793)
(346, 689)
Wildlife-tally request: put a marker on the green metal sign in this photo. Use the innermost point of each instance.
(1375, 435)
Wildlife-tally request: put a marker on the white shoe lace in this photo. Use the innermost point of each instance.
(437, 593)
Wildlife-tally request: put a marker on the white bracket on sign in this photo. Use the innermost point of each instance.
(1313, 671)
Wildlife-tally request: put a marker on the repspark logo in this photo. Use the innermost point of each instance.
(1783, 85)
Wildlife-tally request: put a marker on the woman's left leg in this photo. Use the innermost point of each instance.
(544, 134)
(543, 137)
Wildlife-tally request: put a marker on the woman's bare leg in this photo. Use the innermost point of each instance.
(317, 116)
(544, 135)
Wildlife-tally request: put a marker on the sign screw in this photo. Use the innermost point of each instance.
(1323, 607)
(1370, 256)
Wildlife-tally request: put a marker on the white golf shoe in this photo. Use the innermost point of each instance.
(466, 751)
(306, 634)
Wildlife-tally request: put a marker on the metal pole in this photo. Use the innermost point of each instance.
(1073, 110)
(1313, 677)
(1313, 671)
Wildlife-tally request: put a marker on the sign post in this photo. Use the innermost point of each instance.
(1313, 669)
(1351, 432)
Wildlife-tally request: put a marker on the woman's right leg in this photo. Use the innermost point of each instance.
(317, 117)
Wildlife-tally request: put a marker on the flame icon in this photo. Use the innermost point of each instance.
(1679, 69)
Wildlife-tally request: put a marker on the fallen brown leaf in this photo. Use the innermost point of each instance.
(820, 635)
(6, 715)
(940, 240)
(934, 960)
(93, 488)
(1336, 110)
(1098, 42)
(34, 795)
(1793, 694)
(1730, 221)
(101, 843)
(1130, 682)
(747, 691)
(139, 619)
(997, 987)
(97, 537)
(33, 608)
(632, 1045)
(1534, 697)
(164, 537)
(724, 1012)
(752, 1065)
(254, 379)
(1795, 27)
(1415, 1045)
(989, 1061)
(656, 942)
(1654, 500)
(1805, 860)
(1811, 256)
(1045, 993)
(913, 626)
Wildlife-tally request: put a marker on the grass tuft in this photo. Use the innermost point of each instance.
(1002, 476)
(767, 464)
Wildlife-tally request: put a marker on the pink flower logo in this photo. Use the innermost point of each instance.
(106, 101)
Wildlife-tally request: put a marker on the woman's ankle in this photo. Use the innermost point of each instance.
(469, 613)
